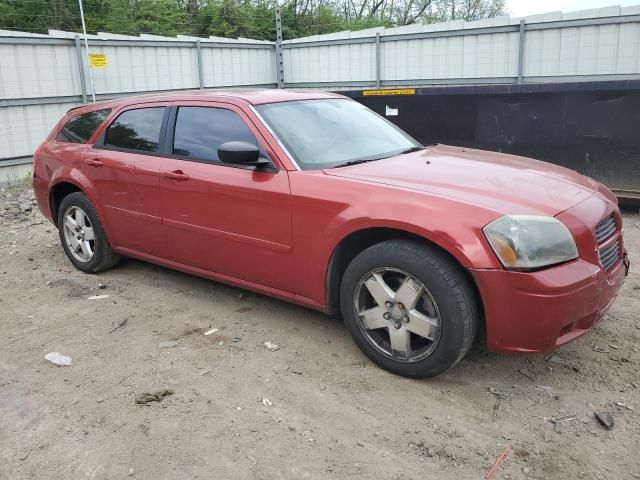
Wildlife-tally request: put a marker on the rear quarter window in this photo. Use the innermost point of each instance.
(79, 129)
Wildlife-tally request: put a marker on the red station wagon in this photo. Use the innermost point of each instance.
(314, 199)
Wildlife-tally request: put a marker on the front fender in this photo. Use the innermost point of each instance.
(327, 210)
(451, 228)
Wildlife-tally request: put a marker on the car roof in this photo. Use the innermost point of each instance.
(250, 96)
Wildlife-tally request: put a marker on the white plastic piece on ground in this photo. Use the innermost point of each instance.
(97, 297)
(58, 359)
(266, 402)
(213, 330)
(271, 346)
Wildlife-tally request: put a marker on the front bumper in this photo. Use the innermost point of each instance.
(536, 312)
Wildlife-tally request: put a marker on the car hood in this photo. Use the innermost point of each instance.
(505, 183)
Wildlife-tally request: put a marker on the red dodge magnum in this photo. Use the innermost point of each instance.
(314, 199)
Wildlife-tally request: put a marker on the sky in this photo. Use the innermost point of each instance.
(520, 8)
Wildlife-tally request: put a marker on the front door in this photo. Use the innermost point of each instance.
(124, 167)
(231, 220)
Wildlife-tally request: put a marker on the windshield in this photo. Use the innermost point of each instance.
(331, 133)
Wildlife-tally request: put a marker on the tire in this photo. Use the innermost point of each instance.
(445, 313)
(102, 256)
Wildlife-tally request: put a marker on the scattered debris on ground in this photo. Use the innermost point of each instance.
(560, 423)
(157, 396)
(98, 297)
(58, 359)
(605, 419)
(495, 466)
(499, 393)
(526, 373)
(272, 347)
(118, 324)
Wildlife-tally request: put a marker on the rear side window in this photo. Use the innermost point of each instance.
(79, 129)
(201, 130)
(137, 129)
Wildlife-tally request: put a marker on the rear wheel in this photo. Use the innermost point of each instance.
(82, 235)
(409, 307)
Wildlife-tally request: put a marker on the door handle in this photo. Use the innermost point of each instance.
(94, 162)
(176, 175)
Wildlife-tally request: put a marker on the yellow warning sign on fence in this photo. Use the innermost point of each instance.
(401, 91)
(97, 60)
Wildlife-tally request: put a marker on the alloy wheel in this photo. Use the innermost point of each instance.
(78, 234)
(397, 314)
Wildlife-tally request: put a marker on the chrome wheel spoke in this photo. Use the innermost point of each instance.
(69, 234)
(422, 325)
(400, 342)
(409, 293)
(86, 248)
(69, 222)
(379, 290)
(80, 218)
(373, 318)
(88, 234)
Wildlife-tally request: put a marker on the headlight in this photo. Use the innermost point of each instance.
(528, 241)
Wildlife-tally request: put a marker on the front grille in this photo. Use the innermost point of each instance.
(605, 229)
(610, 254)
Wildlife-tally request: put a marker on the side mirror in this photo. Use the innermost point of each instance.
(241, 153)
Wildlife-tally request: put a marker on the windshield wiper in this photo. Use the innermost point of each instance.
(411, 150)
(388, 155)
(358, 162)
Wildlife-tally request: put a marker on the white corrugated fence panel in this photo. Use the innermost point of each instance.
(143, 69)
(330, 63)
(21, 68)
(238, 66)
(23, 128)
(471, 56)
(629, 54)
(588, 50)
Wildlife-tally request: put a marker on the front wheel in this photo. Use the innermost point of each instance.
(409, 307)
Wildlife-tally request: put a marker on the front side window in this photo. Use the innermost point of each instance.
(137, 129)
(330, 133)
(200, 131)
(79, 129)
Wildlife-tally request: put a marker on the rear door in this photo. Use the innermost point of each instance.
(124, 166)
(231, 220)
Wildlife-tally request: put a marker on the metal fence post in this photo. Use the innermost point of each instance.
(83, 82)
(279, 54)
(378, 67)
(521, 52)
(200, 66)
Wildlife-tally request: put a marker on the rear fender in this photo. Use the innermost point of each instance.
(73, 176)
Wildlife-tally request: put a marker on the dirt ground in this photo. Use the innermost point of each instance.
(330, 413)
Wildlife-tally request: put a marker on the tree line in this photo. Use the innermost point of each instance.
(236, 18)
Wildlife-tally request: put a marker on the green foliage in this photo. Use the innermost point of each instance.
(234, 18)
